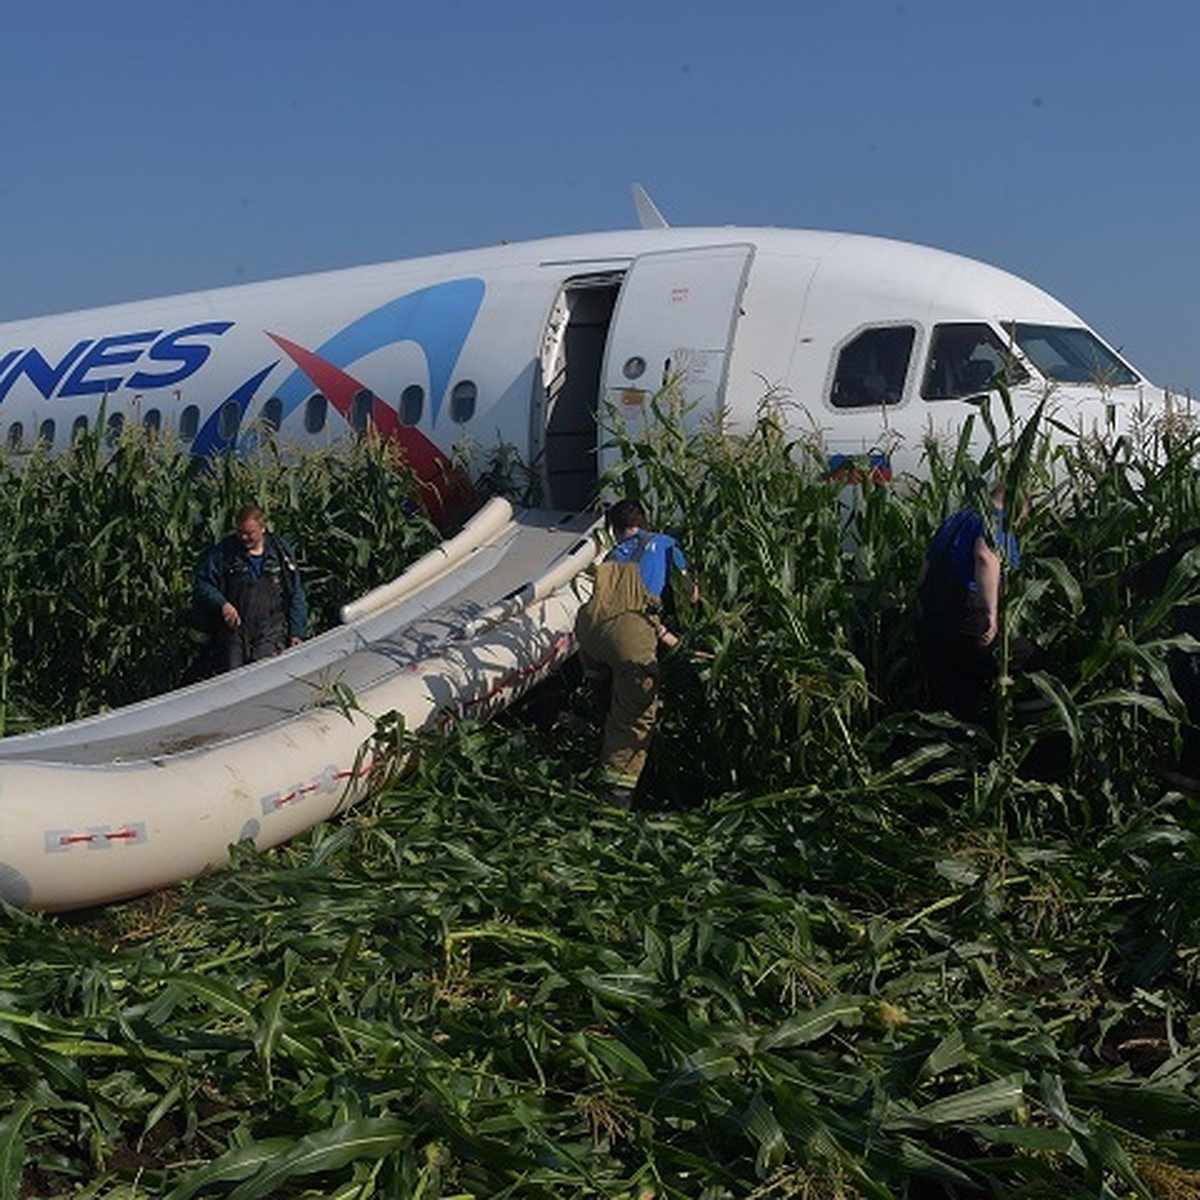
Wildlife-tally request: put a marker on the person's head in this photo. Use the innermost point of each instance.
(251, 527)
(626, 516)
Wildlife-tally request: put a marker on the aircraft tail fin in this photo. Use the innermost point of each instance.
(648, 215)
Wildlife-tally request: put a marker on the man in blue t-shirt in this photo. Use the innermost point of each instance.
(618, 631)
(959, 606)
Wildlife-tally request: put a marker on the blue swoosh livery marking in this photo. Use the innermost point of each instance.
(209, 441)
(437, 318)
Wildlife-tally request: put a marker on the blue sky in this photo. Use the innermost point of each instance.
(147, 148)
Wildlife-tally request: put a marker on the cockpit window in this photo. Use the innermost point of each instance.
(871, 368)
(1070, 354)
(964, 360)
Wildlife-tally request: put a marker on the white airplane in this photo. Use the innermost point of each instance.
(532, 345)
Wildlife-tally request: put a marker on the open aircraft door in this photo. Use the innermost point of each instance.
(672, 333)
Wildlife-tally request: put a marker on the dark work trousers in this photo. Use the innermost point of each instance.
(263, 631)
(959, 668)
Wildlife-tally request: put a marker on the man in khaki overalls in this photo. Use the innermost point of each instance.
(618, 631)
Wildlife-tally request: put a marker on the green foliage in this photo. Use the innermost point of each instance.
(484, 984)
(98, 546)
(807, 612)
(842, 948)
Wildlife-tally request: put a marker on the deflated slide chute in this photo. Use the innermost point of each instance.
(145, 796)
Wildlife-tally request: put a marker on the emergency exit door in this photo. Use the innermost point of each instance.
(672, 335)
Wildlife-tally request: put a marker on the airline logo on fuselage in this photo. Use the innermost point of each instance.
(437, 318)
(141, 361)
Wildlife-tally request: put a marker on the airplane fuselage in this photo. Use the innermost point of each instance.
(535, 345)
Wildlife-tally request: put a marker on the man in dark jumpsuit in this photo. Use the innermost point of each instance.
(618, 631)
(249, 586)
(958, 616)
(959, 612)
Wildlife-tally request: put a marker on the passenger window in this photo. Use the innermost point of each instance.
(229, 420)
(79, 428)
(189, 422)
(272, 414)
(314, 413)
(46, 433)
(412, 404)
(16, 435)
(113, 428)
(462, 402)
(360, 410)
(152, 421)
(964, 359)
(871, 368)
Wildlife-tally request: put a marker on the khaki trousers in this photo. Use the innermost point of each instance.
(617, 635)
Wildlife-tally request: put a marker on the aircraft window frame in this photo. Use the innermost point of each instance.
(271, 417)
(16, 435)
(152, 421)
(316, 413)
(362, 409)
(412, 405)
(1079, 356)
(189, 422)
(79, 428)
(114, 426)
(46, 432)
(463, 399)
(854, 386)
(969, 368)
(229, 419)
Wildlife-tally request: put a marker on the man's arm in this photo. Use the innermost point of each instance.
(297, 613)
(987, 580)
(679, 561)
(206, 583)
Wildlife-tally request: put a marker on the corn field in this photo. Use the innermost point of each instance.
(843, 947)
(98, 547)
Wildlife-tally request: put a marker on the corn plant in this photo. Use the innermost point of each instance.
(483, 984)
(844, 947)
(99, 546)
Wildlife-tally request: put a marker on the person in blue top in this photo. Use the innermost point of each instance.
(248, 586)
(959, 606)
(618, 632)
